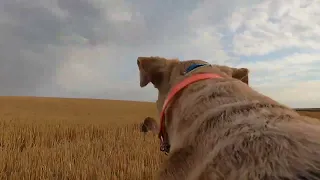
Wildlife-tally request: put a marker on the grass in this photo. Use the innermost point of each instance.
(48, 138)
(311, 114)
(52, 138)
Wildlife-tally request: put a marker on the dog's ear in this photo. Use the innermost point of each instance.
(238, 73)
(241, 74)
(151, 70)
(149, 124)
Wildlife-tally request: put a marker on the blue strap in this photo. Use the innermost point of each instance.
(194, 66)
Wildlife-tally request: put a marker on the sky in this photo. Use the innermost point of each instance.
(89, 48)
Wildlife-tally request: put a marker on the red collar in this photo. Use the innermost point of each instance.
(175, 90)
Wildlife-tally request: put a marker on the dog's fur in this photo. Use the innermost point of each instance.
(223, 129)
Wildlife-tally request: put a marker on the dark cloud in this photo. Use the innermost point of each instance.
(36, 37)
(26, 61)
(35, 41)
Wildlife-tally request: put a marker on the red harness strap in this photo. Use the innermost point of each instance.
(175, 90)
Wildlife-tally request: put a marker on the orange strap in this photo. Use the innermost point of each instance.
(177, 88)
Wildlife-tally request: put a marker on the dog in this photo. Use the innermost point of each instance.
(216, 127)
(149, 124)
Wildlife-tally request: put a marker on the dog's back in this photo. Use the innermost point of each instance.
(229, 131)
(266, 151)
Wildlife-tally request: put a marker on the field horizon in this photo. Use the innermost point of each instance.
(78, 138)
(130, 101)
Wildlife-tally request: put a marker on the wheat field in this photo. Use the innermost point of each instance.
(60, 138)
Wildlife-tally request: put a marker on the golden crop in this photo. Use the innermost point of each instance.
(56, 138)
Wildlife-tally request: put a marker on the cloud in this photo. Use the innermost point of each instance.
(85, 48)
(292, 80)
(274, 25)
(279, 41)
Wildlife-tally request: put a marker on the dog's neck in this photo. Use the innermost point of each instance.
(194, 66)
(176, 113)
(164, 144)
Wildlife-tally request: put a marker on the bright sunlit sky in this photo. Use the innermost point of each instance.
(88, 48)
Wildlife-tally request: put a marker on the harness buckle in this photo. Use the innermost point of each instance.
(164, 145)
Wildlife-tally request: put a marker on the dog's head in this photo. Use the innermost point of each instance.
(149, 124)
(163, 73)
